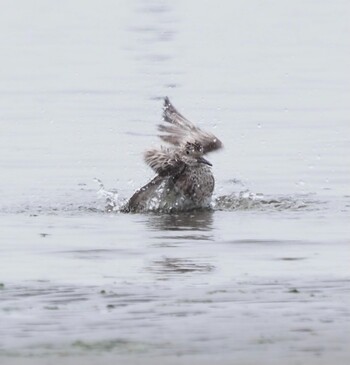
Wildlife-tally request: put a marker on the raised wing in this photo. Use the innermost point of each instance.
(164, 161)
(182, 130)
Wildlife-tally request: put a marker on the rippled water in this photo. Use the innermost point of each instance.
(263, 276)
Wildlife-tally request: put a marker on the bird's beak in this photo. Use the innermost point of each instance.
(203, 160)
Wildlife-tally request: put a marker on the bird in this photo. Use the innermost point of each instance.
(184, 180)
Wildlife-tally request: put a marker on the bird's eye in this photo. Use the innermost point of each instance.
(188, 152)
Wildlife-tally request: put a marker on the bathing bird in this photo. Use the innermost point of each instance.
(184, 179)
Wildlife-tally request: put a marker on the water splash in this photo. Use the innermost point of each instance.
(84, 200)
(163, 202)
(112, 201)
(247, 200)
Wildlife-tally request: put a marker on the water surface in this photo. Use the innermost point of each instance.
(265, 274)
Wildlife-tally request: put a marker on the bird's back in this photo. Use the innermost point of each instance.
(192, 189)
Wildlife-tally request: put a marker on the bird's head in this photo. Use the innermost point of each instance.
(192, 154)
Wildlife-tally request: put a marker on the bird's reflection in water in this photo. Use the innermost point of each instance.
(194, 221)
(185, 230)
(166, 268)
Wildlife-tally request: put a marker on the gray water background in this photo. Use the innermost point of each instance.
(263, 277)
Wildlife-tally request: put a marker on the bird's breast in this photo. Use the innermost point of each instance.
(196, 183)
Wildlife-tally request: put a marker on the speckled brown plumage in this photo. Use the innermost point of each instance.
(184, 178)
